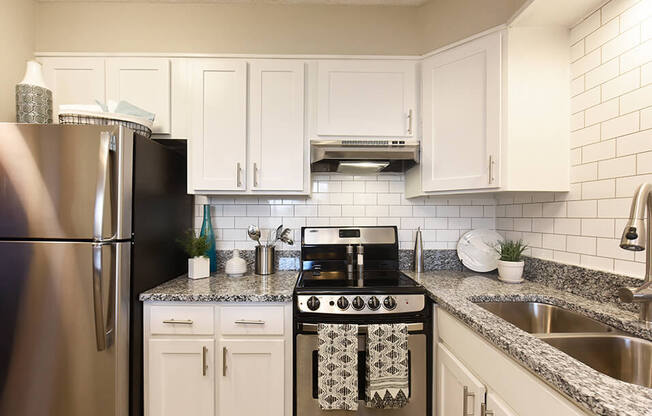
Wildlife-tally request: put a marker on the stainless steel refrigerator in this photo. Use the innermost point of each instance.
(88, 220)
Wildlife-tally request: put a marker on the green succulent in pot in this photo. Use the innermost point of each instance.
(511, 250)
(511, 264)
(196, 248)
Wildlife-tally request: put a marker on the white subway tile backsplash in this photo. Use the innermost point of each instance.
(567, 226)
(635, 14)
(585, 27)
(554, 241)
(636, 56)
(582, 209)
(614, 168)
(602, 73)
(602, 35)
(614, 208)
(636, 100)
(644, 163)
(602, 112)
(583, 245)
(542, 225)
(583, 173)
(625, 41)
(577, 51)
(585, 100)
(598, 227)
(614, 8)
(597, 263)
(585, 136)
(599, 189)
(629, 123)
(599, 151)
(635, 143)
(626, 82)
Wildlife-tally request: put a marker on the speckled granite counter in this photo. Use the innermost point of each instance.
(456, 291)
(277, 287)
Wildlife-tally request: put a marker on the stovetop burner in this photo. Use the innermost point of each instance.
(389, 279)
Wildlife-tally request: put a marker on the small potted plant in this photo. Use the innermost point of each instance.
(510, 264)
(196, 248)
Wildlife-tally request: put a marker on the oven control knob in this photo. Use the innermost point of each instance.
(343, 303)
(389, 303)
(373, 303)
(313, 303)
(358, 303)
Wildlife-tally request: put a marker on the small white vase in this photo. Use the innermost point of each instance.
(511, 271)
(199, 267)
(236, 266)
(33, 98)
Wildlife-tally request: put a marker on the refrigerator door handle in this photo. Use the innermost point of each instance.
(100, 189)
(102, 333)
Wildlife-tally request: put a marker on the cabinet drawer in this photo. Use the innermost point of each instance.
(181, 320)
(251, 320)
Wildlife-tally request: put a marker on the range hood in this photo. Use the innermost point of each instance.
(360, 157)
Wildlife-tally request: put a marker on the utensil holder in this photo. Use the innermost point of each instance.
(264, 260)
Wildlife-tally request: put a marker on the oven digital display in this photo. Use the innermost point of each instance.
(349, 233)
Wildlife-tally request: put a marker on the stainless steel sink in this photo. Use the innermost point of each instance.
(619, 356)
(540, 318)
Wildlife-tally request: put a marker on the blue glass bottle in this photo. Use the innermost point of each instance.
(207, 230)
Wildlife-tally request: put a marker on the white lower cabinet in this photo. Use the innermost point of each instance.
(252, 377)
(458, 391)
(474, 378)
(218, 359)
(181, 377)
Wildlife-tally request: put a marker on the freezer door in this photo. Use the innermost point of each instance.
(64, 326)
(65, 182)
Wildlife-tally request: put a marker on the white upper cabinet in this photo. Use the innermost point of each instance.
(461, 116)
(74, 81)
(366, 98)
(218, 144)
(144, 82)
(276, 125)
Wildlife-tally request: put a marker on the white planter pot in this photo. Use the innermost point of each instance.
(510, 271)
(199, 267)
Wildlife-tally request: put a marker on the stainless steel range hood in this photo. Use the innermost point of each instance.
(360, 157)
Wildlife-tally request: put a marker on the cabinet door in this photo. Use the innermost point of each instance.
(496, 406)
(366, 98)
(462, 116)
(144, 82)
(74, 81)
(218, 144)
(181, 377)
(458, 391)
(252, 379)
(276, 125)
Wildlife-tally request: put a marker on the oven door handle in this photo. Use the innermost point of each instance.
(413, 327)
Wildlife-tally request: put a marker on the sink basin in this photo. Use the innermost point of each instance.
(540, 318)
(619, 356)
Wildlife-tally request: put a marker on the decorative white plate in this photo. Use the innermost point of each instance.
(476, 250)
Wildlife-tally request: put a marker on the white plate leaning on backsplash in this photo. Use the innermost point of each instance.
(476, 249)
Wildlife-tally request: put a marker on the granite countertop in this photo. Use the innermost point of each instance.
(455, 292)
(597, 393)
(277, 287)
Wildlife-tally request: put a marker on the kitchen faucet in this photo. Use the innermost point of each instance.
(634, 239)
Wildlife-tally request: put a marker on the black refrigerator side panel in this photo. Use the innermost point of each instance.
(162, 212)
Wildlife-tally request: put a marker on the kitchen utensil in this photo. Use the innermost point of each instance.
(418, 252)
(476, 250)
(264, 264)
(254, 233)
(277, 234)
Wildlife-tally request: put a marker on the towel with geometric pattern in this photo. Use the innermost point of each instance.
(387, 366)
(338, 366)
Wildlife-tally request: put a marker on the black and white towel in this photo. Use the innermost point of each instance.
(338, 366)
(387, 366)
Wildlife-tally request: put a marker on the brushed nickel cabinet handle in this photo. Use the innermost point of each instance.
(484, 411)
(255, 174)
(223, 361)
(204, 366)
(249, 322)
(238, 173)
(491, 169)
(409, 117)
(178, 321)
(465, 404)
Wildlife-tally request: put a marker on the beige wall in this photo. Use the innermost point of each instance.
(445, 21)
(16, 46)
(226, 28)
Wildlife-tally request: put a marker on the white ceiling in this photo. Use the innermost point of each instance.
(332, 2)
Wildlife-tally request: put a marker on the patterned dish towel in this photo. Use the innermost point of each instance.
(338, 366)
(387, 366)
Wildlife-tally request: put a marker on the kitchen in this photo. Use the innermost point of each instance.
(397, 141)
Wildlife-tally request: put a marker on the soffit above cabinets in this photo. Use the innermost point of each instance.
(321, 2)
(553, 12)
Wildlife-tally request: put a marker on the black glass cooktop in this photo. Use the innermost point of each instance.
(375, 279)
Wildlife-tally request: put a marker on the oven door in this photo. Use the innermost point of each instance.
(306, 368)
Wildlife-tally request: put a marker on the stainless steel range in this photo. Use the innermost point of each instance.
(351, 275)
